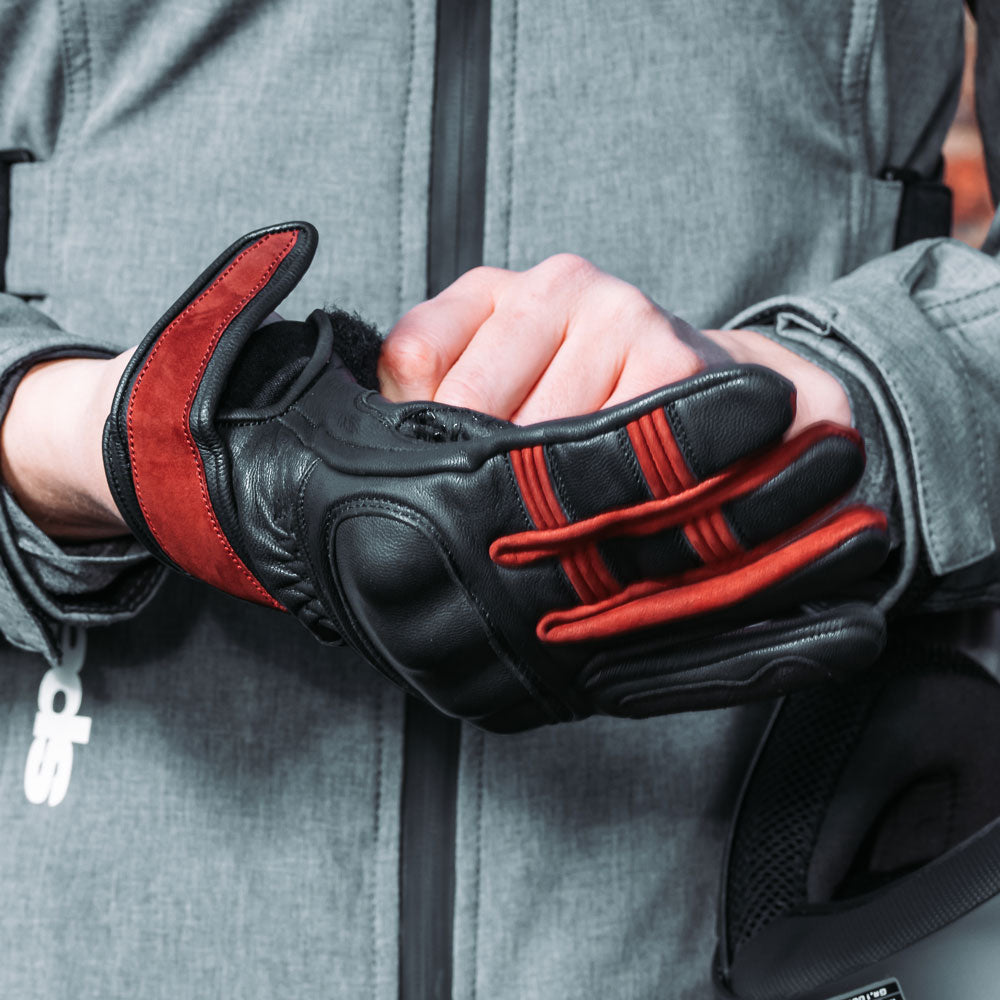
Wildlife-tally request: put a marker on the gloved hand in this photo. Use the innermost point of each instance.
(512, 576)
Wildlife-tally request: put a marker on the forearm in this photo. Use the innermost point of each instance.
(50, 446)
(819, 396)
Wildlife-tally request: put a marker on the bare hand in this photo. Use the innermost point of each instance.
(565, 338)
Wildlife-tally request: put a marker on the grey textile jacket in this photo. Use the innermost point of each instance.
(226, 819)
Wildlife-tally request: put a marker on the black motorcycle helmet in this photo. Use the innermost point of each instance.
(864, 860)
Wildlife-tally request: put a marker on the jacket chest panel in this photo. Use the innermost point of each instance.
(315, 111)
(711, 154)
(667, 142)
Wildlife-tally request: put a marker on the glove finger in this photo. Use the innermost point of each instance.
(774, 495)
(664, 443)
(716, 670)
(710, 522)
(849, 546)
(699, 433)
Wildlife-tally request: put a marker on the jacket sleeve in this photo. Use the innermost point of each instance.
(915, 338)
(43, 584)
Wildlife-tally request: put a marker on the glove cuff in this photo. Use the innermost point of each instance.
(164, 462)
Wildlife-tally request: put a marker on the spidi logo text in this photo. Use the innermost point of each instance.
(50, 758)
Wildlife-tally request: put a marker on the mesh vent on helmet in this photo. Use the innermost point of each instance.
(784, 805)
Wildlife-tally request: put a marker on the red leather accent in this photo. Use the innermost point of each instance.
(703, 538)
(725, 533)
(584, 567)
(706, 589)
(167, 467)
(648, 518)
(526, 486)
(663, 477)
(665, 438)
(667, 474)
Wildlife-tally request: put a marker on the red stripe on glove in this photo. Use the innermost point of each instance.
(657, 515)
(667, 474)
(584, 567)
(167, 467)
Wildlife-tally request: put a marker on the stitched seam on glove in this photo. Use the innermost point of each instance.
(527, 677)
(702, 685)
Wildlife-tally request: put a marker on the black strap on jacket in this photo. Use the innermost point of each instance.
(8, 157)
(925, 207)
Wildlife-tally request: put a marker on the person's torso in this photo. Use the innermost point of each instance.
(231, 827)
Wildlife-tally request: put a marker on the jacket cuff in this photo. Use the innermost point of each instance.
(45, 585)
(917, 330)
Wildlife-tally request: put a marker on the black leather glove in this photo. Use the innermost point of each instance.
(644, 559)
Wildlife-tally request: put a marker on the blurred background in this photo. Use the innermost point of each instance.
(965, 171)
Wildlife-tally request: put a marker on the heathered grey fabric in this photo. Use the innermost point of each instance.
(230, 829)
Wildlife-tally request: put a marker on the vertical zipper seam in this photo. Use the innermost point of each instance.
(377, 839)
(403, 151)
(432, 743)
(511, 128)
(477, 885)
(77, 62)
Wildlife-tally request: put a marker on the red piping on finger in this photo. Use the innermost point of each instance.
(665, 438)
(665, 477)
(652, 602)
(584, 567)
(658, 515)
(667, 474)
(725, 533)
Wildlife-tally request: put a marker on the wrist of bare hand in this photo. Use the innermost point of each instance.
(819, 395)
(50, 446)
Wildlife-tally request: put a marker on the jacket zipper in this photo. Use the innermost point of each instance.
(431, 741)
